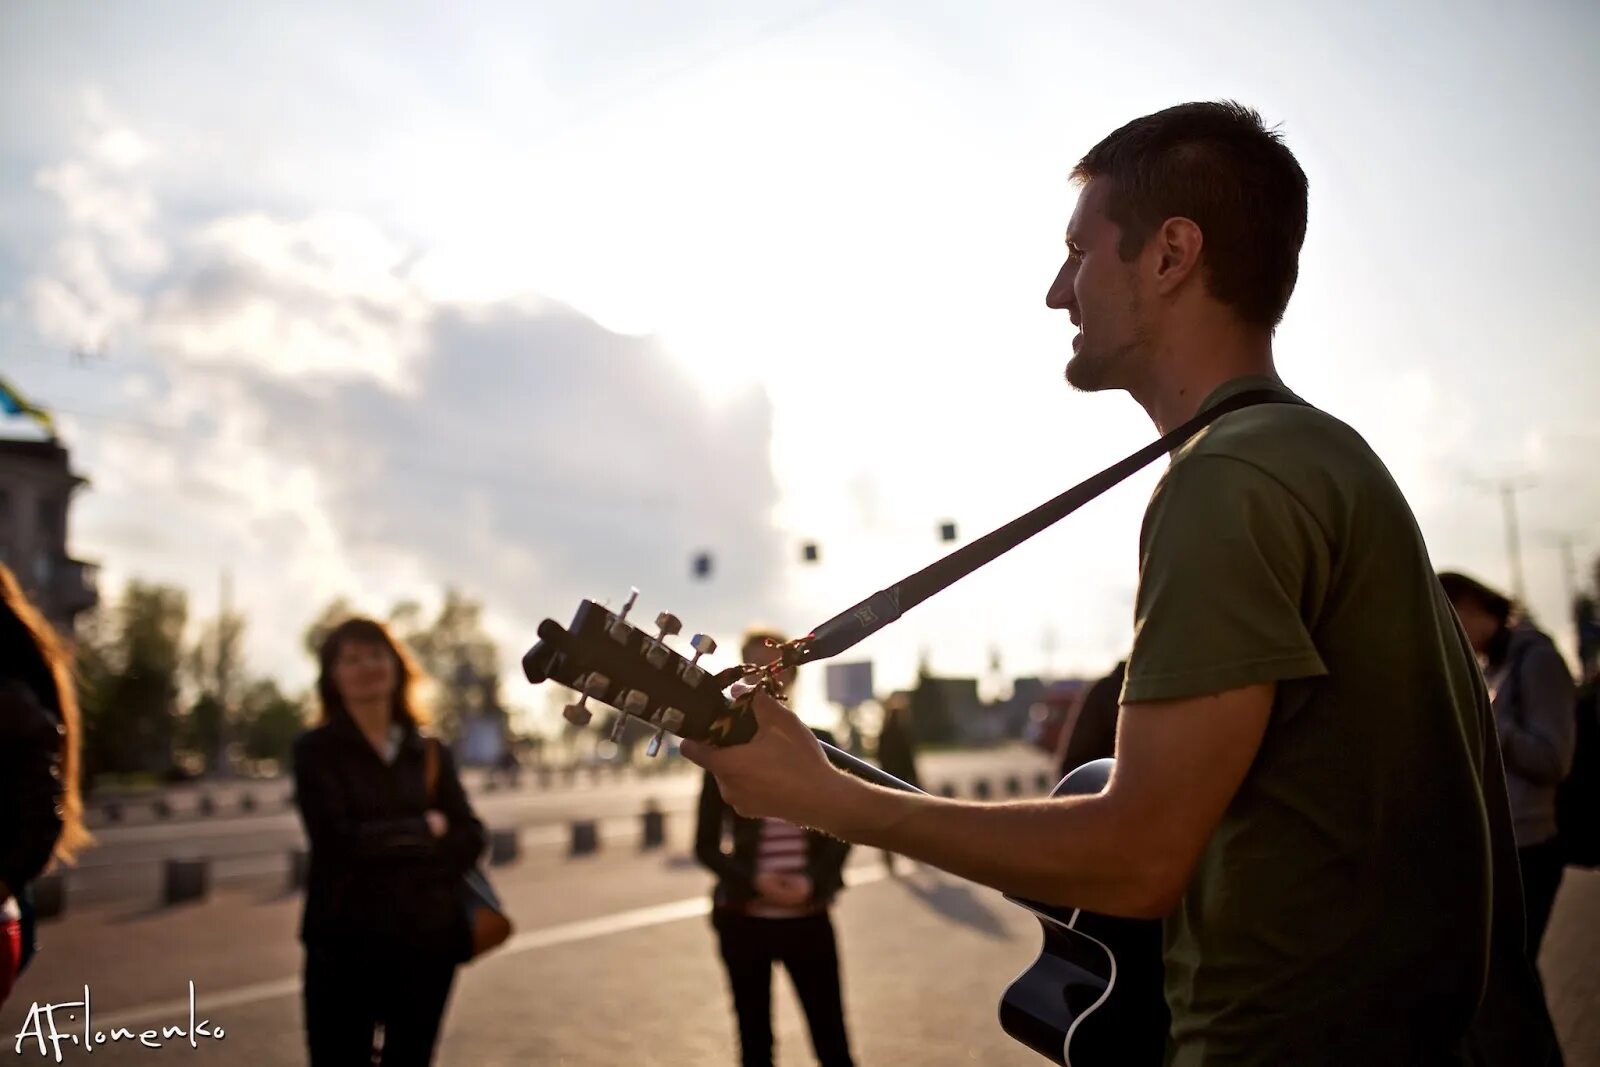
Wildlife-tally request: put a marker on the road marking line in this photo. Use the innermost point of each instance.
(544, 937)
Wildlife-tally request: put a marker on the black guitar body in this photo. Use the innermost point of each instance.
(1094, 996)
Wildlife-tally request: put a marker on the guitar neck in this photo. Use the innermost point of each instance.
(862, 769)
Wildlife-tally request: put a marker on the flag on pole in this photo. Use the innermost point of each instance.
(14, 403)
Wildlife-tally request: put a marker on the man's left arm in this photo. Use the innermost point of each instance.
(1127, 851)
(1228, 559)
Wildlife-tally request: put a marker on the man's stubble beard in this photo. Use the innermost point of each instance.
(1089, 371)
(1092, 371)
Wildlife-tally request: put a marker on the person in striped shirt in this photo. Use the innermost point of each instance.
(770, 905)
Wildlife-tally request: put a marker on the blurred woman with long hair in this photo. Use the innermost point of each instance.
(41, 813)
(383, 926)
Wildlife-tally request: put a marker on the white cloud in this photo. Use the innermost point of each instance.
(315, 424)
(320, 296)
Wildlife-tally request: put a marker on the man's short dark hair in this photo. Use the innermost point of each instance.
(1218, 166)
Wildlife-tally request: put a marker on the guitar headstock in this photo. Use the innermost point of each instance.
(608, 659)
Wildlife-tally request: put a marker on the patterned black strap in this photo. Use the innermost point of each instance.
(885, 606)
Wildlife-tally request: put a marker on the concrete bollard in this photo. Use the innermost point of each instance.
(980, 788)
(653, 826)
(948, 790)
(585, 837)
(185, 880)
(299, 867)
(504, 847)
(49, 895)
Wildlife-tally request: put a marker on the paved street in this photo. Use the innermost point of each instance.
(614, 963)
(126, 861)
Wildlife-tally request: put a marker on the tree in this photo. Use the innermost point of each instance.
(93, 667)
(216, 671)
(129, 670)
(269, 721)
(460, 658)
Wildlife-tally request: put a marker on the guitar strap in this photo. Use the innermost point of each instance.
(885, 606)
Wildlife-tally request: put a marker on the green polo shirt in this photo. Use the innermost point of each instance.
(1340, 913)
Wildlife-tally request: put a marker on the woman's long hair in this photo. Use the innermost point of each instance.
(1506, 611)
(406, 707)
(44, 665)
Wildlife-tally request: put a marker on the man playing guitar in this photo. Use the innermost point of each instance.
(1307, 788)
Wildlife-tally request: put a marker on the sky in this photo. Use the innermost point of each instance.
(538, 301)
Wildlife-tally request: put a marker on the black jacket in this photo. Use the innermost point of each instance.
(30, 783)
(379, 882)
(735, 872)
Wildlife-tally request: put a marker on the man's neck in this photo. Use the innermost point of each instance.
(1185, 378)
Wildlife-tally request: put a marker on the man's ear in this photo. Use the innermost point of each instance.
(1177, 246)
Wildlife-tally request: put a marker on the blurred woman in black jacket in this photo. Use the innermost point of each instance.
(383, 926)
(41, 816)
(770, 905)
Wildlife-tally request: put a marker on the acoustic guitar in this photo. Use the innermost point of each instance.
(1093, 998)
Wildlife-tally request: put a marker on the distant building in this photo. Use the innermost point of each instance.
(36, 487)
(951, 709)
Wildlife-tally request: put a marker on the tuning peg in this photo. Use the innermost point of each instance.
(666, 719)
(657, 653)
(618, 627)
(592, 684)
(703, 645)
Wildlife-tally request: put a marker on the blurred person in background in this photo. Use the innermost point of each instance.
(41, 813)
(383, 927)
(770, 905)
(1091, 733)
(1533, 699)
(897, 749)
